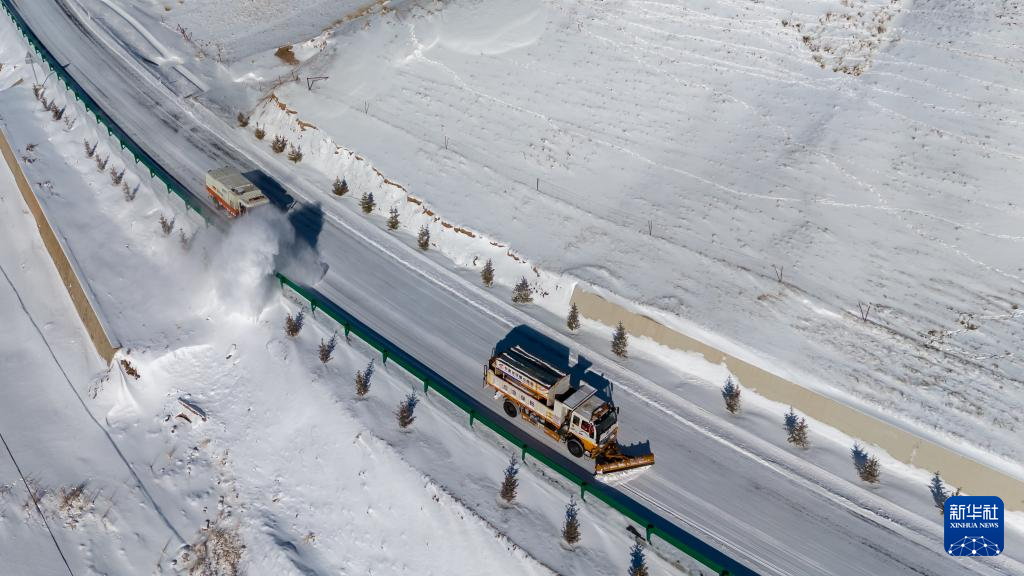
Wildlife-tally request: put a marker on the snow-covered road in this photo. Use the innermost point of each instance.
(744, 496)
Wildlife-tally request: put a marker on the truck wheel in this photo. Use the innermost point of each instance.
(510, 409)
(575, 448)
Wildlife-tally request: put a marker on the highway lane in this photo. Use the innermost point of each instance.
(747, 506)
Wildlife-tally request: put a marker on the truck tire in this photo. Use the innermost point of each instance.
(575, 448)
(510, 408)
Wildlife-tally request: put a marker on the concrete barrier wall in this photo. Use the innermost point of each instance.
(83, 305)
(973, 477)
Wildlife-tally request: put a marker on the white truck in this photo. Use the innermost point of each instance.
(571, 413)
(230, 189)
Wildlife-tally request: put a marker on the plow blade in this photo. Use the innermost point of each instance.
(614, 462)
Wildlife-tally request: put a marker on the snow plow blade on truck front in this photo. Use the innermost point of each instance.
(611, 461)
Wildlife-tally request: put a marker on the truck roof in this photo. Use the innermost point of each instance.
(583, 400)
(230, 178)
(532, 366)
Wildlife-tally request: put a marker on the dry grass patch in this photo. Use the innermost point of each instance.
(286, 54)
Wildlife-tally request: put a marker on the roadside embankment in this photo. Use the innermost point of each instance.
(958, 470)
(105, 347)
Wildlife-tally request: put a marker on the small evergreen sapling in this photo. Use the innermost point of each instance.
(405, 411)
(637, 561)
(90, 149)
(871, 471)
(799, 435)
(363, 380)
(796, 429)
(939, 493)
(340, 187)
(620, 342)
(510, 484)
(572, 322)
(327, 348)
(423, 238)
(393, 219)
(293, 324)
(790, 420)
(731, 395)
(868, 467)
(243, 120)
(571, 527)
(101, 163)
(522, 293)
(367, 202)
(487, 274)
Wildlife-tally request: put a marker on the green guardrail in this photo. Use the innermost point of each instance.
(667, 532)
(140, 156)
(654, 525)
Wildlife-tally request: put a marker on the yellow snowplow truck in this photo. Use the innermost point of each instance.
(545, 397)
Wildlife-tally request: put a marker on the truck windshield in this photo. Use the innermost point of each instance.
(606, 422)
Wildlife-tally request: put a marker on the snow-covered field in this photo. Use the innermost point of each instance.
(676, 153)
(514, 83)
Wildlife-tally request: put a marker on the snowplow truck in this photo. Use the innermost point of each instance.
(544, 396)
(234, 192)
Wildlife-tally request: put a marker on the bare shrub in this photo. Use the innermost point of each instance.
(243, 120)
(90, 149)
(217, 553)
(185, 239)
(260, 133)
(295, 154)
(116, 177)
(74, 503)
(101, 163)
(129, 369)
(167, 226)
(58, 113)
(279, 144)
(129, 192)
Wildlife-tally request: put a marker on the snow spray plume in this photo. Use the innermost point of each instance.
(257, 245)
